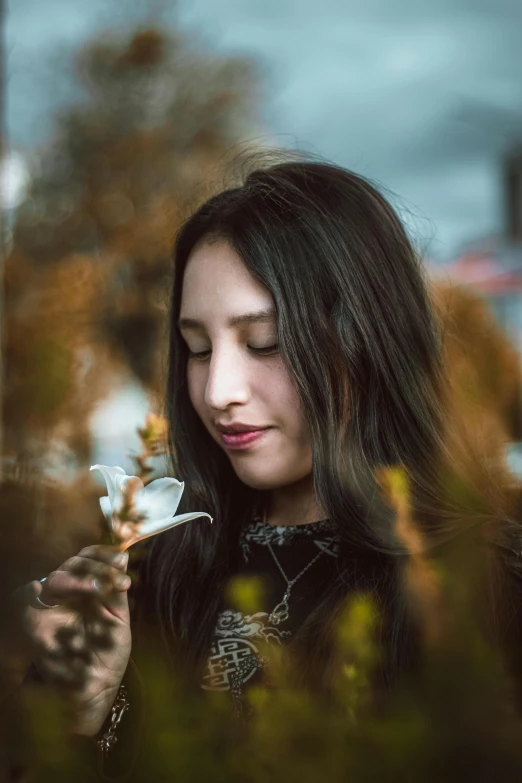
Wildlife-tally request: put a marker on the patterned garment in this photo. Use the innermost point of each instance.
(235, 660)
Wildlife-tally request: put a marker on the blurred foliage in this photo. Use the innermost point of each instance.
(88, 274)
(448, 720)
(484, 368)
(483, 408)
(451, 717)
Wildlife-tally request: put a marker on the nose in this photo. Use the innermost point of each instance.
(227, 380)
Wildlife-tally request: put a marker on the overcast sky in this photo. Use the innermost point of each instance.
(390, 88)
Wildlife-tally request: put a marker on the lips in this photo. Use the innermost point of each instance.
(238, 440)
(233, 429)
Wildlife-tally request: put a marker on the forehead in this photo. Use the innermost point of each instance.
(218, 285)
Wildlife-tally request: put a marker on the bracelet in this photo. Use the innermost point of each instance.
(120, 706)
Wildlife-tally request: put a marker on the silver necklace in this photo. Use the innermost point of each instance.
(281, 612)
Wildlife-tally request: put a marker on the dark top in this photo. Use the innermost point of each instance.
(306, 553)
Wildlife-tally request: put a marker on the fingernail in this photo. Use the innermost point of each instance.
(95, 584)
(122, 581)
(121, 559)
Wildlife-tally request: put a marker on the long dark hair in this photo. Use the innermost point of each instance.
(357, 332)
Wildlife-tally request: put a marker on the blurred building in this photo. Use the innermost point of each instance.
(492, 266)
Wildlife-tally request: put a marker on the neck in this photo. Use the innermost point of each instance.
(295, 504)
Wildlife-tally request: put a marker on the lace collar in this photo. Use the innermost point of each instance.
(281, 534)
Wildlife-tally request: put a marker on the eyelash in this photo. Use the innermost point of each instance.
(263, 351)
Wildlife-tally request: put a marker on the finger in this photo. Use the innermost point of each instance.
(84, 567)
(61, 586)
(34, 590)
(110, 555)
(84, 574)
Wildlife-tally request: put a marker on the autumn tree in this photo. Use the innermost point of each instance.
(87, 278)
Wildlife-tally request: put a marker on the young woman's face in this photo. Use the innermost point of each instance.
(239, 376)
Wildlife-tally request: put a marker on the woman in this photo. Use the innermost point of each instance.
(299, 314)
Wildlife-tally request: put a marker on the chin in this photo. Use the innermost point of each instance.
(260, 484)
(257, 481)
(263, 481)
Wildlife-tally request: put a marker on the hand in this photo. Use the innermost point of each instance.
(83, 645)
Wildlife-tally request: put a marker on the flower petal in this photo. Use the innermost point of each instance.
(106, 507)
(112, 476)
(159, 499)
(150, 527)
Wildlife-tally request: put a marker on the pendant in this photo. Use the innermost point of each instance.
(281, 612)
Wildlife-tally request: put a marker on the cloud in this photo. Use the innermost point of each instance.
(405, 92)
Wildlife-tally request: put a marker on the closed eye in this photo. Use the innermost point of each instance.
(268, 351)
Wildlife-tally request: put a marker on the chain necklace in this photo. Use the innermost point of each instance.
(281, 612)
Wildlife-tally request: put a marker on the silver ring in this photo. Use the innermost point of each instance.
(46, 606)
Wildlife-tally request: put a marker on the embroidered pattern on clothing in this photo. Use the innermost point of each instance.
(258, 532)
(234, 657)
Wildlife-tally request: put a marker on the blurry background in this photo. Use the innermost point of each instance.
(425, 97)
(117, 113)
(116, 116)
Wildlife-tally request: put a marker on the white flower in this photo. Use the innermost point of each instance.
(152, 507)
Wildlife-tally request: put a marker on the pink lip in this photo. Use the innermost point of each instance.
(242, 440)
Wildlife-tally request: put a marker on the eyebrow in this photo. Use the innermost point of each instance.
(260, 316)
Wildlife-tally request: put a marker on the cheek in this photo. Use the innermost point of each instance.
(291, 458)
(286, 407)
